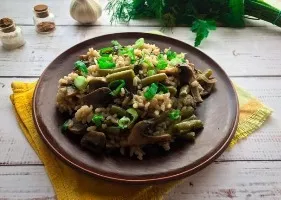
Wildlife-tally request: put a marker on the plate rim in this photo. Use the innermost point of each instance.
(206, 159)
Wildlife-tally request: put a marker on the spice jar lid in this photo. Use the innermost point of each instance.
(7, 25)
(40, 8)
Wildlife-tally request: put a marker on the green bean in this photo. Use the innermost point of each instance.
(192, 117)
(104, 72)
(172, 90)
(112, 130)
(184, 91)
(186, 112)
(172, 129)
(190, 136)
(152, 79)
(188, 101)
(117, 110)
(195, 92)
(189, 125)
(127, 74)
(120, 69)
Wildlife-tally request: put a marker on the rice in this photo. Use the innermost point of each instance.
(84, 114)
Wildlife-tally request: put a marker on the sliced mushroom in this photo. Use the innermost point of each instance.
(173, 71)
(137, 136)
(77, 128)
(94, 141)
(96, 83)
(186, 74)
(99, 97)
(207, 89)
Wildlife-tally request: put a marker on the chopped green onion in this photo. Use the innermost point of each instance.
(116, 87)
(81, 66)
(174, 114)
(162, 63)
(151, 91)
(151, 72)
(150, 65)
(133, 113)
(176, 61)
(116, 44)
(106, 62)
(106, 51)
(171, 54)
(129, 52)
(139, 43)
(65, 125)
(124, 122)
(97, 120)
(162, 88)
(80, 82)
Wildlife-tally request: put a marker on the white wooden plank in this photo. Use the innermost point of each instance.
(235, 180)
(25, 182)
(219, 181)
(60, 8)
(264, 144)
(14, 147)
(247, 52)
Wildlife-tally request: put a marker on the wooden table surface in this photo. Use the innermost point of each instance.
(250, 56)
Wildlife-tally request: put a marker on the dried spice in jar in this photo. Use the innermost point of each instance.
(44, 21)
(11, 35)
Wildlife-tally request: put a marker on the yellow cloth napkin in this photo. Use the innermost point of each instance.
(70, 184)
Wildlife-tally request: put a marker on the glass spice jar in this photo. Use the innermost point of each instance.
(11, 35)
(44, 21)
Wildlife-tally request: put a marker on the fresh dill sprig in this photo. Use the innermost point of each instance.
(120, 10)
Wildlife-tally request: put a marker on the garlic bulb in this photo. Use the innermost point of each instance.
(85, 11)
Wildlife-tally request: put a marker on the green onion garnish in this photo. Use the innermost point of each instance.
(139, 43)
(171, 54)
(97, 120)
(174, 114)
(129, 52)
(124, 122)
(176, 61)
(106, 62)
(65, 125)
(151, 91)
(151, 72)
(162, 88)
(116, 87)
(162, 63)
(80, 82)
(133, 113)
(106, 51)
(116, 44)
(81, 66)
(150, 65)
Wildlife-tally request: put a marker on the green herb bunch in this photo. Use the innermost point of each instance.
(201, 15)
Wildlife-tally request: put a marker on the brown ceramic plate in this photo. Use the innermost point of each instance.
(219, 112)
